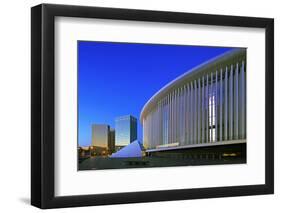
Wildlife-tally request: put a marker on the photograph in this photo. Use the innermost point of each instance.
(139, 105)
(143, 105)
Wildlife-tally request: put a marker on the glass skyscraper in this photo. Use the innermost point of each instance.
(125, 130)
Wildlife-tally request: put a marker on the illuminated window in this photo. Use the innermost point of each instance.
(212, 117)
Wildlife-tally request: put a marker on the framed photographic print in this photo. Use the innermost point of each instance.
(139, 106)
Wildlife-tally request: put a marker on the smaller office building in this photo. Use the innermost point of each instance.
(102, 142)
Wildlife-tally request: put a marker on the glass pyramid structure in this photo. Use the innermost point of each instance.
(133, 150)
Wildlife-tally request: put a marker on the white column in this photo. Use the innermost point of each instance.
(199, 138)
(147, 131)
(151, 128)
(203, 110)
(169, 118)
(162, 121)
(225, 104)
(154, 130)
(172, 117)
(178, 115)
(236, 119)
(165, 121)
(156, 126)
(144, 132)
(175, 116)
(182, 115)
(231, 104)
(243, 102)
(185, 114)
(211, 109)
(195, 113)
(159, 124)
(191, 113)
(207, 109)
(221, 104)
(216, 108)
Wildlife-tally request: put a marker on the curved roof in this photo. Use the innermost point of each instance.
(217, 62)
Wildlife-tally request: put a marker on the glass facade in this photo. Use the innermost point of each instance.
(100, 135)
(125, 130)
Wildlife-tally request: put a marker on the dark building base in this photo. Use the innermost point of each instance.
(215, 155)
(219, 152)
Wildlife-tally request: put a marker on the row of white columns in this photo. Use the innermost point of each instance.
(209, 109)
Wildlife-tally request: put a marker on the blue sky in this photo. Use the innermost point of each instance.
(116, 79)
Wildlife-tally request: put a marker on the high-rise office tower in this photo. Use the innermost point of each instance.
(125, 130)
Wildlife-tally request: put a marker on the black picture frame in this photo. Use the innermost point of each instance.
(43, 102)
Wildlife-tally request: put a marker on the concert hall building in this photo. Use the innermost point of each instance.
(203, 109)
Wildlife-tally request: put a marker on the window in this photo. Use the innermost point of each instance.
(212, 117)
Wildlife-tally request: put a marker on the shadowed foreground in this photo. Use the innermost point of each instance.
(95, 163)
(213, 155)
